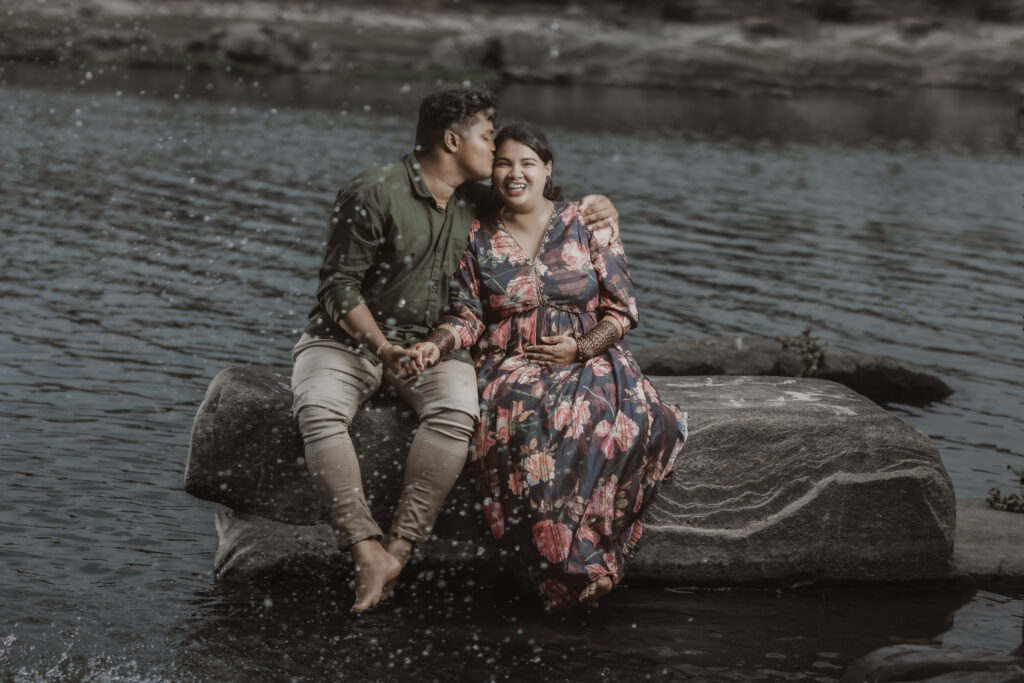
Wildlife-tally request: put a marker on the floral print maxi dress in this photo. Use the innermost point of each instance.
(569, 456)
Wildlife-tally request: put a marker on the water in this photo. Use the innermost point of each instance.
(152, 238)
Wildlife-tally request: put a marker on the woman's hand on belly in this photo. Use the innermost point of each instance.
(557, 350)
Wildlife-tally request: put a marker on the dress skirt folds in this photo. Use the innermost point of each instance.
(568, 457)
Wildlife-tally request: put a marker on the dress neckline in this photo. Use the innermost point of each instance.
(543, 241)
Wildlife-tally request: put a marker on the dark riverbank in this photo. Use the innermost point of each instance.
(730, 48)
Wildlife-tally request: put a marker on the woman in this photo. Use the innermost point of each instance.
(573, 440)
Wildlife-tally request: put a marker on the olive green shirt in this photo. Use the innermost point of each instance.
(391, 247)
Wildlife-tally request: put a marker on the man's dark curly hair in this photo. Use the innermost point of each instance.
(447, 109)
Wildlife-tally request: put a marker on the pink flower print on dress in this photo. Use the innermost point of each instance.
(568, 214)
(495, 518)
(516, 484)
(589, 535)
(563, 413)
(481, 441)
(623, 434)
(580, 417)
(635, 533)
(552, 539)
(528, 329)
(540, 467)
(601, 267)
(503, 245)
(575, 257)
(500, 335)
(520, 294)
(602, 237)
(600, 366)
(612, 562)
(602, 506)
(501, 424)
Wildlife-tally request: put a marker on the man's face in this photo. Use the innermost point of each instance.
(475, 152)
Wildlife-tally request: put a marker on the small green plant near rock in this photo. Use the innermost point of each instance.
(812, 352)
(1013, 502)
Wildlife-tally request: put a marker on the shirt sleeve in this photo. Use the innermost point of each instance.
(354, 234)
(617, 296)
(464, 311)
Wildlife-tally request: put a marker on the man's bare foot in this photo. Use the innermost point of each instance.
(401, 550)
(375, 568)
(595, 591)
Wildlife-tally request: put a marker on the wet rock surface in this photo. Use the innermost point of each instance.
(883, 380)
(936, 664)
(783, 481)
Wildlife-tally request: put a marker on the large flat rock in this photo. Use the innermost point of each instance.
(783, 481)
(797, 480)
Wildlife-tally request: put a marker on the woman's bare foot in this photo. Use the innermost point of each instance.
(375, 568)
(595, 591)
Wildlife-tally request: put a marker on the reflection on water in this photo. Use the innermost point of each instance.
(150, 241)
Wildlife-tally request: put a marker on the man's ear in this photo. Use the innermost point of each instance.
(451, 141)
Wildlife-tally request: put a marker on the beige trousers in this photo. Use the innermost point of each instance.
(329, 383)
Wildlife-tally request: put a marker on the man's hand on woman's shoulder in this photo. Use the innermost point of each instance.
(597, 211)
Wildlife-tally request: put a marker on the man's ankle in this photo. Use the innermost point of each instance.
(365, 548)
(400, 549)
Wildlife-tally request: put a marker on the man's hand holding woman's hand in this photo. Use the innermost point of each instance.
(557, 350)
(426, 355)
(402, 362)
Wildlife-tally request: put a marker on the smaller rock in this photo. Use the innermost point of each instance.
(758, 27)
(989, 542)
(913, 28)
(928, 663)
(883, 380)
(106, 39)
(251, 547)
(112, 8)
(259, 44)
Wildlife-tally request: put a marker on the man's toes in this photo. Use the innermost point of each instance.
(365, 602)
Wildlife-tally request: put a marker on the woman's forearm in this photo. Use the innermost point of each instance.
(445, 338)
(598, 339)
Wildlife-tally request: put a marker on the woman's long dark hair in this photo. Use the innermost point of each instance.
(528, 135)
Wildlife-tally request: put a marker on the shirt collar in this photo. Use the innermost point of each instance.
(412, 169)
(419, 186)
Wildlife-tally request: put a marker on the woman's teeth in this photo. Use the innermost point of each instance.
(516, 187)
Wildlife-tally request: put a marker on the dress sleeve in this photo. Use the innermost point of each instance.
(617, 296)
(464, 311)
(353, 236)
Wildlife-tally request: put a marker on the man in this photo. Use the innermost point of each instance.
(395, 238)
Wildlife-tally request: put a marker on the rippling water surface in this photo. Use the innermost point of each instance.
(151, 240)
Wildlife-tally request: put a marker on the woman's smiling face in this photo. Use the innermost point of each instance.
(519, 175)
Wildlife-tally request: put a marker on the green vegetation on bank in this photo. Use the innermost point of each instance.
(1013, 502)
